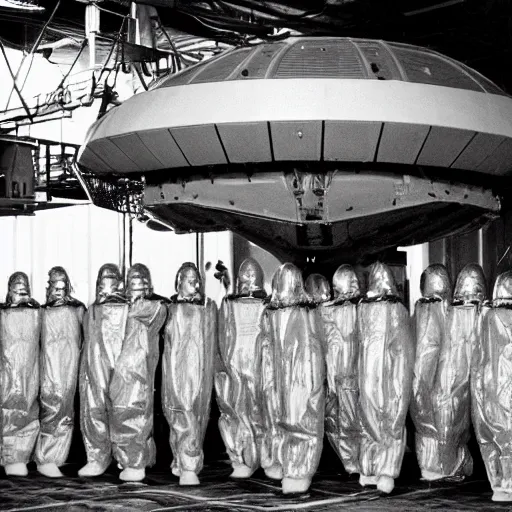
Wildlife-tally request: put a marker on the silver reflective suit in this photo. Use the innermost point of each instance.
(453, 368)
(385, 377)
(20, 328)
(429, 382)
(104, 331)
(238, 375)
(188, 372)
(293, 376)
(339, 319)
(61, 340)
(491, 388)
(132, 383)
(117, 371)
(318, 288)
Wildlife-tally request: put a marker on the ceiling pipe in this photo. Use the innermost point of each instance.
(430, 8)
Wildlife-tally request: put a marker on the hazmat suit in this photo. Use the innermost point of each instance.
(20, 329)
(339, 320)
(386, 363)
(117, 373)
(431, 386)
(293, 376)
(454, 368)
(132, 384)
(61, 340)
(238, 370)
(491, 388)
(188, 372)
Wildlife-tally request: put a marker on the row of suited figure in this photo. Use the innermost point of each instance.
(451, 364)
(284, 368)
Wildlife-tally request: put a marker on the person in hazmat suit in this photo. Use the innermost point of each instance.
(131, 389)
(445, 335)
(117, 373)
(318, 288)
(454, 368)
(491, 388)
(61, 340)
(20, 329)
(238, 372)
(386, 362)
(293, 373)
(432, 366)
(188, 372)
(339, 320)
(104, 330)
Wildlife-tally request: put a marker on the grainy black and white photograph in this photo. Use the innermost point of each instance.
(255, 256)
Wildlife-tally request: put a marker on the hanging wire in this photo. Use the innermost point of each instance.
(32, 52)
(116, 44)
(123, 253)
(60, 97)
(15, 86)
(65, 77)
(171, 42)
(130, 241)
(504, 254)
(111, 51)
(110, 12)
(141, 78)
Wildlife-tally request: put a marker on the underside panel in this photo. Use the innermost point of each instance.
(333, 214)
(355, 240)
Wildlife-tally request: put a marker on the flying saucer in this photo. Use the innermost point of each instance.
(334, 147)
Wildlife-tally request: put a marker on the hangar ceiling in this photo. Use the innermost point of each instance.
(476, 32)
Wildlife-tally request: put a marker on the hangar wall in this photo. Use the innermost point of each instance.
(82, 238)
(489, 246)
